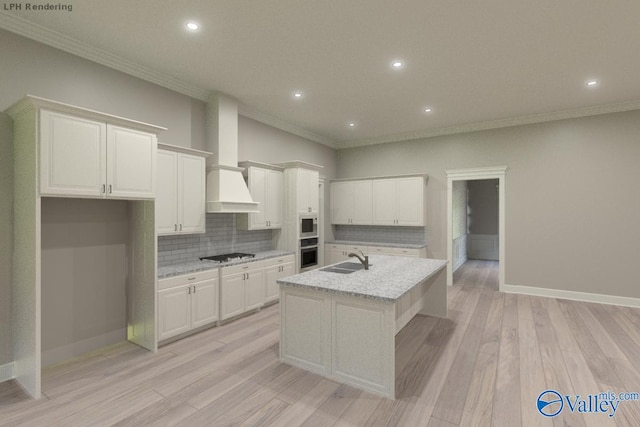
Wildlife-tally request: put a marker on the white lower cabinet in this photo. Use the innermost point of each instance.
(280, 267)
(242, 288)
(187, 302)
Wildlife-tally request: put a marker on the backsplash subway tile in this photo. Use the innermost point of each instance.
(221, 237)
(381, 234)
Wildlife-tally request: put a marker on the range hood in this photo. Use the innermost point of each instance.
(226, 188)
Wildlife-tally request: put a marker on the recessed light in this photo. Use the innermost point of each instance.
(193, 26)
(297, 95)
(397, 64)
(592, 83)
(427, 110)
(351, 124)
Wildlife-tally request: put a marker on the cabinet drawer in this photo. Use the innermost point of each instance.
(279, 260)
(233, 269)
(187, 279)
(406, 252)
(380, 250)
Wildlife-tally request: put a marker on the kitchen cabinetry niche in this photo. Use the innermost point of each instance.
(65, 151)
(265, 184)
(187, 302)
(394, 201)
(180, 200)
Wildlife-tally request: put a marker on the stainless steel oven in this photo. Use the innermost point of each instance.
(308, 226)
(308, 253)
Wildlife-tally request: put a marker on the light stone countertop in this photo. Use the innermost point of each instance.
(195, 266)
(384, 245)
(388, 277)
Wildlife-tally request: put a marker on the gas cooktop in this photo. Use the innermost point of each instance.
(227, 257)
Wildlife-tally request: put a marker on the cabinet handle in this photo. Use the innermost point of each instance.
(191, 278)
(194, 289)
(189, 290)
(104, 188)
(175, 227)
(309, 209)
(180, 227)
(110, 189)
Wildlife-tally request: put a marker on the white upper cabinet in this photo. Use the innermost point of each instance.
(85, 157)
(308, 194)
(73, 153)
(351, 202)
(265, 184)
(180, 201)
(398, 201)
(131, 163)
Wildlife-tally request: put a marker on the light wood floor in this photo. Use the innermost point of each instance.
(485, 365)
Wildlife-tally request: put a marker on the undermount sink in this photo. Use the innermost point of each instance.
(344, 268)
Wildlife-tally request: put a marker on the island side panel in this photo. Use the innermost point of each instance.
(363, 340)
(305, 329)
(434, 300)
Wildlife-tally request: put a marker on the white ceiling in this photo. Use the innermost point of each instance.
(477, 64)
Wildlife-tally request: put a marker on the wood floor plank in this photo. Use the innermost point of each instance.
(306, 405)
(267, 414)
(478, 405)
(532, 381)
(507, 391)
(553, 362)
(333, 408)
(451, 401)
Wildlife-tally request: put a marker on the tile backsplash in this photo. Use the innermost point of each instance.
(221, 237)
(381, 234)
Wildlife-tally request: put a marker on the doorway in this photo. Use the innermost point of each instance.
(479, 245)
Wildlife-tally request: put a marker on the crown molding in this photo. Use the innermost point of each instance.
(496, 124)
(267, 119)
(36, 32)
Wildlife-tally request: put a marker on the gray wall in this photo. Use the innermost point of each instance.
(84, 271)
(6, 233)
(483, 206)
(572, 203)
(39, 70)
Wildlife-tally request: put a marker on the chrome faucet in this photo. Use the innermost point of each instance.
(364, 259)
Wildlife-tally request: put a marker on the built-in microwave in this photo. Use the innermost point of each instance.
(308, 226)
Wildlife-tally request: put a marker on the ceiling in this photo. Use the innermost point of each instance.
(477, 65)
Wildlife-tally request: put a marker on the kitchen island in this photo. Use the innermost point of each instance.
(342, 325)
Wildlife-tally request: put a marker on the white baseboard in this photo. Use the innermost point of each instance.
(7, 372)
(572, 295)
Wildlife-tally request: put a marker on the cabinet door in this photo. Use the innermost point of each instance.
(73, 155)
(308, 192)
(167, 194)
(191, 194)
(384, 201)
(272, 274)
(271, 286)
(342, 202)
(410, 201)
(362, 202)
(232, 295)
(274, 201)
(174, 311)
(131, 163)
(258, 190)
(254, 289)
(204, 303)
